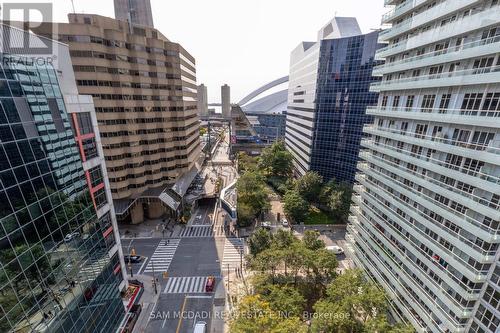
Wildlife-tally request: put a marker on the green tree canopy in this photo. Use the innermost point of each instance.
(337, 199)
(311, 240)
(309, 186)
(295, 206)
(276, 160)
(252, 196)
(259, 241)
(255, 315)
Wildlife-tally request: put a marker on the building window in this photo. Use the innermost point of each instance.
(100, 198)
(445, 102)
(410, 101)
(428, 102)
(472, 101)
(96, 177)
(84, 123)
(90, 148)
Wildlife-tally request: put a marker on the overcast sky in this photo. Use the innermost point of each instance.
(244, 43)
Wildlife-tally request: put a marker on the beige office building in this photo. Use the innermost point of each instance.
(144, 91)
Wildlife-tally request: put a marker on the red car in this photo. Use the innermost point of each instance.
(209, 287)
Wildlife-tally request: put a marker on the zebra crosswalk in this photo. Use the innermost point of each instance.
(232, 255)
(91, 270)
(185, 285)
(163, 255)
(201, 231)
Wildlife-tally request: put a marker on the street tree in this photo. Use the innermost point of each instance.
(276, 160)
(252, 195)
(360, 306)
(255, 315)
(285, 299)
(311, 240)
(283, 239)
(260, 240)
(309, 186)
(246, 163)
(295, 206)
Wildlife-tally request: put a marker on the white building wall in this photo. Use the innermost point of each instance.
(425, 215)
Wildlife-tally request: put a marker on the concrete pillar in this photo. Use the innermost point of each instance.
(155, 210)
(136, 214)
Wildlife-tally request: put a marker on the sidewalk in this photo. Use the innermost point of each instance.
(147, 229)
(148, 301)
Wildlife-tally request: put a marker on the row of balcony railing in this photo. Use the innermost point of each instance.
(493, 232)
(372, 145)
(478, 250)
(440, 111)
(414, 266)
(444, 75)
(361, 258)
(374, 245)
(449, 50)
(468, 293)
(489, 147)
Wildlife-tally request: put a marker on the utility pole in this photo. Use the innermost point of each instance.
(154, 277)
(241, 260)
(129, 255)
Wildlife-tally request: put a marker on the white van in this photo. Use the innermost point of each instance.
(200, 327)
(335, 249)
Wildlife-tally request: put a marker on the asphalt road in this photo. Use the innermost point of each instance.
(183, 300)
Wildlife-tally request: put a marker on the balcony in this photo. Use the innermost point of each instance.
(483, 118)
(477, 48)
(401, 9)
(384, 258)
(473, 76)
(472, 225)
(488, 153)
(410, 265)
(435, 13)
(476, 21)
(457, 240)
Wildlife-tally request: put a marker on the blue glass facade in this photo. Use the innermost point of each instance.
(342, 95)
(271, 127)
(56, 271)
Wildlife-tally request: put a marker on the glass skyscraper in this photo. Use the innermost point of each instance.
(342, 95)
(327, 98)
(59, 264)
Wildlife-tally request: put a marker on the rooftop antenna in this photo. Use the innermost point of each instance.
(73, 5)
(334, 15)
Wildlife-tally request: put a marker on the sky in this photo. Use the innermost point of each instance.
(244, 43)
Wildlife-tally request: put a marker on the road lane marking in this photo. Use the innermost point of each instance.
(163, 256)
(142, 266)
(180, 319)
(186, 285)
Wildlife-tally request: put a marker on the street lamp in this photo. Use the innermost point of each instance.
(129, 255)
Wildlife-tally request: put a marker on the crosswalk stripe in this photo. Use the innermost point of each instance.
(163, 256)
(185, 285)
(231, 256)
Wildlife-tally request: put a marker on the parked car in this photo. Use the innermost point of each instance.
(266, 225)
(335, 249)
(71, 236)
(132, 259)
(284, 223)
(200, 327)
